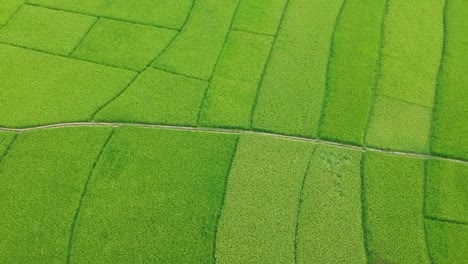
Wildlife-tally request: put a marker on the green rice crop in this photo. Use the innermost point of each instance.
(447, 242)
(450, 116)
(411, 51)
(194, 52)
(257, 225)
(6, 139)
(165, 13)
(329, 223)
(154, 197)
(8, 8)
(38, 88)
(399, 125)
(259, 16)
(352, 77)
(291, 94)
(233, 88)
(157, 97)
(47, 30)
(134, 46)
(42, 181)
(393, 204)
(447, 190)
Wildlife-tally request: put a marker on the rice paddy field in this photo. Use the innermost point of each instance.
(234, 131)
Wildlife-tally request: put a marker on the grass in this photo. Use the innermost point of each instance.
(450, 126)
(394, 198)
(447, 190)
(259, 16)
(258, 224)
(157, 97)
(195, 53)
(154, 191)
(292, 89)
(329, 227)
(51, 85)
(165, 13)
(134, 46)
(399, 125)
(448, 242)
(41, 181)
(233, 88)
(47, 30)
(351, 75)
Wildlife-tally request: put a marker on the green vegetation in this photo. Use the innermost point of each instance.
(410, 59)
(259, 16)
(8, 8)
(329, 228)
(195, 51)
(447, 242)
(134, 46)
(393, 204)
(411, 51)
(42, 181)
(6, 139)
(154, 197)
(47, 30)
(165, 13)
(291, 94)
(447, 190)
(450, 125)
(234, 131)
(157, 97)
(399, 125)
(55, 89)
(351, 74)
(258, 224)
(233, 88)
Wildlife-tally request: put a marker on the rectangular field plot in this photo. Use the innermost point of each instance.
(450, 128)
(448, 242)
(412, 48)
(166, 13)
(258, 220)
(352, 73)
(329, 222)
(196, 49)
(121, 44)
(38, 88)
(41, 183)
(399, 125)
(231, 95)
(47, 30)
(447, 190)
(291, 94)
(157, 97)
(154, 197)
(393, 209)
(259, 16)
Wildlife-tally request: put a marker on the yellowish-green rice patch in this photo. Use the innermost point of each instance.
(259, 217)
(329, 227)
